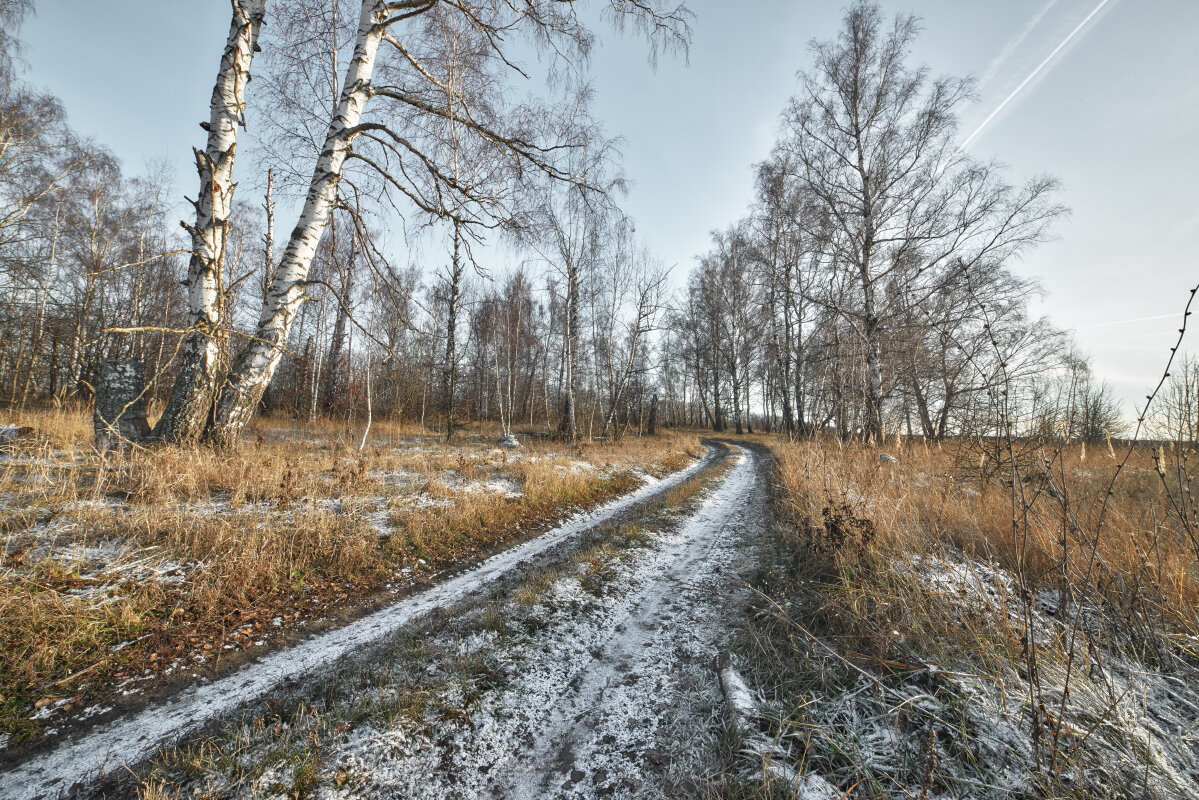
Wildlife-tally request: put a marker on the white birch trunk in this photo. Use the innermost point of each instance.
(501, 395)
(256, 364)
(571, 345)
(187, 413)
(449, 381)
(337, 378)
(369, 404)
(873, 429)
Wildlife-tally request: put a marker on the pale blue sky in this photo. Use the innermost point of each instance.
(1115, 116)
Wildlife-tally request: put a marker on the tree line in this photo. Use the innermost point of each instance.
(869, 289)
(379, 124)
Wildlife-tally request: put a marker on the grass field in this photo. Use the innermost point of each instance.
(951, 623)
(428, 685)
(123, 570)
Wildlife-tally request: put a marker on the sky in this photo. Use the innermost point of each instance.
(1113, 114)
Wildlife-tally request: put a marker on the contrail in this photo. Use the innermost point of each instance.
(1015, 43)
(1128, 321)
(969, 139)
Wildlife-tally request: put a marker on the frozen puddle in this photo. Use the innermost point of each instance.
(107, 748)
(614, 696)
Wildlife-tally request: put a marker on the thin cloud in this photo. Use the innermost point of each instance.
(1128, 321)
(1032, 75)
(1013, 44)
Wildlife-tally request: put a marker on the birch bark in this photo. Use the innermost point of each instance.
(190, 405)
(572, 347)
(336, 378)
(256, 364)
(449, 379)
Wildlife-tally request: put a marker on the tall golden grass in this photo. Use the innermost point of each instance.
(296, 518)
(854, 518)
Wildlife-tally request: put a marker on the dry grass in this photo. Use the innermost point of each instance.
(857, 517)
(426, 681)
(179, 552)
(931, 626)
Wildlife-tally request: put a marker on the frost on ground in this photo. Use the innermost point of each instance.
(590, 676)
(1121, 721)
(1100, 718)
(603, 695)
(142, 572)
(128, 740)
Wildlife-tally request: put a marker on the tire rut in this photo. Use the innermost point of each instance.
(79, 766)
(615, 697)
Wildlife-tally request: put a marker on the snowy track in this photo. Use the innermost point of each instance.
(105, 749)
(609, 698)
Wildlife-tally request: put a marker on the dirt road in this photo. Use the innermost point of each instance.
(615, 697)
(605, 695)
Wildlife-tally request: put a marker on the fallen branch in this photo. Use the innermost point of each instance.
(744, 710)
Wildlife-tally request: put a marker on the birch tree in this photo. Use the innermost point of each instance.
(779, 246)
(732, 299)
(396, 148)
(190, 406)
(647, 306)
(344, 266)
(874, 139)
(32, 127)
(453, 297)
(572, 220)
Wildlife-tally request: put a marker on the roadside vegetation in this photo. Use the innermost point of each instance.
(1001, 602)
(359, 731)
(926, 627)
(123, 569)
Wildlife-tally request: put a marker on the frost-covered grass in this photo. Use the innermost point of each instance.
(440, 709)
(926, 628)
(118, 571)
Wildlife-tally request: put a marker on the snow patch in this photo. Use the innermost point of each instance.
(596, 686)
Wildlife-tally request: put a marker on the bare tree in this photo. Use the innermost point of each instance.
(187, 414)
(781, 251)
(732, 299)
(343, 266)
(1177, 415)
(453, 296)
(647, 307)
(399, 145)
(874, 140)
(572, 221)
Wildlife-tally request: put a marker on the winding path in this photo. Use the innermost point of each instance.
(615, 697)
(79, 763)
